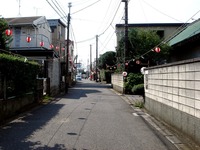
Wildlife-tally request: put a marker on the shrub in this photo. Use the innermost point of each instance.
(132, 80)
(20, 75)
(138, 89)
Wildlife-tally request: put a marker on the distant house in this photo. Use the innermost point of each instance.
(164, 30)
(58, 41)
(58, 37)
(60, 45)
(186, 43)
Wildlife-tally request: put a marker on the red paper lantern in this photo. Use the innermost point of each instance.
(41, 43)
(124, 73)
(8, 32)
(63, 49)
(138, 62)
(28, 39)
(157, 49)
(51, 46)
(57, 47)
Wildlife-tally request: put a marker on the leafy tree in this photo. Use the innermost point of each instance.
(140, 45)
(4, 39)
(107, 59)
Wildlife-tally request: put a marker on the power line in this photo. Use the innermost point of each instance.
(112, 19)
(89, 39)
(81, 2)
(61, 8)
(56, 10)
(176, 32)
(63, 14)
(86, 7)
(161, 11)
(107, 10)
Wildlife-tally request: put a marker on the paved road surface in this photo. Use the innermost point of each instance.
(90, 117)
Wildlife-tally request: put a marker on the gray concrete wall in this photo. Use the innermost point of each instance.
(54, 75)
(172, 93)
(14, 105)
(117, 82)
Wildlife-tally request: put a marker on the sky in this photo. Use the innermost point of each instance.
(91, 18)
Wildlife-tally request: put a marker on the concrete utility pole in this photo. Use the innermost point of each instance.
(67, 61)
(96, 58)
(90, 60)
(126, 31)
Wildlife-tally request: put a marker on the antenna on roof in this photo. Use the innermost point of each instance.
(19, 7)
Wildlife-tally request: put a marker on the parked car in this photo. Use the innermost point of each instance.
(78, 77)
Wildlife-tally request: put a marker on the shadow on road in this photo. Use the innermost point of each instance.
(15, 134)
(92, 84)
(82, 88)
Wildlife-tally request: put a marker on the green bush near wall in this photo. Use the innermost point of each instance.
(138, 89)
(19, 74)
(132, 80)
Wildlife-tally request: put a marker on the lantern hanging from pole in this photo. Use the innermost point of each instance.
(8, 32)
(137, 62)
(28, 39)
(51, 46)
(157, 49)
(41, 43)
(57, 47)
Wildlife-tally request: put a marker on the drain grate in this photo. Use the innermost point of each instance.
(82, 118)
(72, 133)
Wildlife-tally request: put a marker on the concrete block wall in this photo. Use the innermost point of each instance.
(172, 93)
(117, 82)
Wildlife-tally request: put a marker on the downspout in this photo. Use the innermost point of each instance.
(35, 28)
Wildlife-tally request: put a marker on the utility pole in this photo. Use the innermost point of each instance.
(125, 32)
(90, 60)
(67, 55)
(96, 58)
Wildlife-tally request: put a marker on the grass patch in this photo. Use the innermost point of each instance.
(46, 99)
(139, 104)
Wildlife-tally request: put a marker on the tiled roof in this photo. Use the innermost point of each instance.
(190, 31)
(22, 20)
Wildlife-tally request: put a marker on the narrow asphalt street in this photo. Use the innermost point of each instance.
(90, 117)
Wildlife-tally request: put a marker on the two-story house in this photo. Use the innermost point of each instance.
(60, 46)
(32, 35)
(164, 30)
(32, 38)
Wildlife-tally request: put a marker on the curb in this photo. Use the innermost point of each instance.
(161, 130)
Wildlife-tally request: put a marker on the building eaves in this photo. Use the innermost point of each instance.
(19, 21)
(192, 30)
(59, 21)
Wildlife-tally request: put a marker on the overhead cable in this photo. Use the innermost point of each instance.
(161, 11)
(112, 20)
(86, 7)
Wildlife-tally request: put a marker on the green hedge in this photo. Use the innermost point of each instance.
(20, 74)
(132, 80)
(138, 89)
